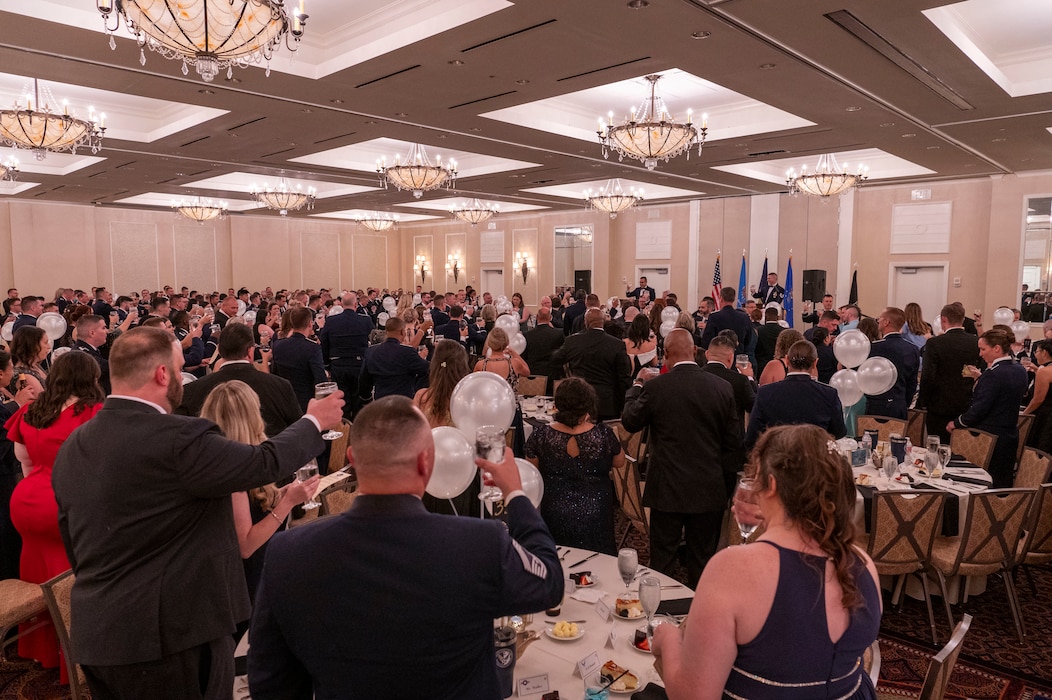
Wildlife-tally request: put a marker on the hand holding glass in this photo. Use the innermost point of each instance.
(746, 493)
(320, 392)
(304, 473)
(489, 445)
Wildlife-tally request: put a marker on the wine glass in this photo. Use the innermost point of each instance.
(746, 493)
(944, 456)
(320, 392)
(627, 564)
(891, 468)
(649, 596)
(741, 361)
(489, 445)
(304, 473)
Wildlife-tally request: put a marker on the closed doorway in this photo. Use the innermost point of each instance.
(923, 284)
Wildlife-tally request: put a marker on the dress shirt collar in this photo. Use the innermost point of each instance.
(798, 374)
(227, 363)
(685, 362)
(136, 398)
(1006, 358)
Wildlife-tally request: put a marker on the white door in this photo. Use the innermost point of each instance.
(492, 282)
(657, 277)
(924, 285)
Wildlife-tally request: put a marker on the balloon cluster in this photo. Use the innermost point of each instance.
(873, 376)
(510, 325)
(669, 316)
(502, 305)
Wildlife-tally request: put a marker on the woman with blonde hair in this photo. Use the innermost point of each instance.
(776, 369)
(261, 512)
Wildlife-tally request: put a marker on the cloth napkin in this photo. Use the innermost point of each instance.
(587, 595)
(678, 606)
(652, 691)
(965, 479)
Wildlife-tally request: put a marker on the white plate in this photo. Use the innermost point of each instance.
(629, 619)
(551, 633)
(638, 687)
(595, 581)
(631, 642)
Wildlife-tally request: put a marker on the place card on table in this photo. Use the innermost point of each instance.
(533, 685)
(603, 610)
(587, 666)
(611, 637)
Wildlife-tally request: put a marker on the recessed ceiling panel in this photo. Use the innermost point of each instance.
(160, 199)
(8, 188)
(576, 190)
(352, 214)
(881, 166)
(53, 163)
(243, 182)
(447, 202)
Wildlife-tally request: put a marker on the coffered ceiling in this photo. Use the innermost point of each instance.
(917, 90)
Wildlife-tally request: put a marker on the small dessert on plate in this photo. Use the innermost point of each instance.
(583, 579)
(640, 641)
(626, 682)
(565, 630)
(628, 608)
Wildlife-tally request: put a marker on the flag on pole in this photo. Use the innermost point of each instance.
(763, 286)
(852, 297)
(742, 283)
(717, 280)
(787, 302)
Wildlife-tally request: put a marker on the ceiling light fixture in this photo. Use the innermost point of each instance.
(475, 211)
(42, 130)
(612, 199)
(650, 134)
(200, 209)
(417, 174)
(8, 170)
(211, 35)
(283, 198)
(377, 220)
(827, 180)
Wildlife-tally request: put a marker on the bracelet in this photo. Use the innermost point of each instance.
(275, 516)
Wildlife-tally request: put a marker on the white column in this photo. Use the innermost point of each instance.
(763, 236)
(844, 261)
(693, 255)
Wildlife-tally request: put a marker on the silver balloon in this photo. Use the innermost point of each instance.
(382, 318)
(482, 398)
(936, 326)
(507, 323)
(851, 348)
(846, 384)
(532, 483)
(390, 304)
(454, 463)
(1004, 316)
(876, 375)
(669, 313)
(1021, 329)
(666, 328)
(53, 324)
(335, 310)
(518, 343)
(7, 331)
(59, 352)
(250, 316)
(503, 307)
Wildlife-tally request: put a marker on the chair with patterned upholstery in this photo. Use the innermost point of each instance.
(1034, 467)
(56, 592)
(902, 532)
(884, 426)
(20, 602)
(1036, 546)
(338, 448)
(938, 677)
(533, 385)
(987, 544)
(629, 490)
(976, 446)
(339, 497)
(915, 421)
(1025, 423)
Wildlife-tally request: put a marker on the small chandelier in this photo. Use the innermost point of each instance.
(200, 209)
(827, 180)
(421, 266)
(8, 170)
(377, 221)
(211, 35)
(522, 264)
(474, 212)
(649, 134)
(612, 199)
(284, 199)
(42, 130)
(453, 265)
(417, 174)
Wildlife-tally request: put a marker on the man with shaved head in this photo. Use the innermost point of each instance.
(599, 359)
(694, 436)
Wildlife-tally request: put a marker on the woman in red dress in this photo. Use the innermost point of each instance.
(71, 397)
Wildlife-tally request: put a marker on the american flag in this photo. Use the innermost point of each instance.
(717, 280)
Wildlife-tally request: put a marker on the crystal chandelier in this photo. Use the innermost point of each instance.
(827, 180)
(612, 199)
(283, 198)
(417, 174)
(200, 209)
(8, 170)
(42, 130)
(377, 221)
(211, 35)
(649, 134)
(474, 212)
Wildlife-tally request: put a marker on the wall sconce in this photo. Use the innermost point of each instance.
(522, 263)
(453, 265)
(421, 266)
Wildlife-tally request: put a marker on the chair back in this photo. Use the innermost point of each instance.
(1033, 469)
(56, 595)
(884, 426)
(1025, 423)
(339, 497)
(533, 385)
(557, 382)
(1037, 546)
(338, 448)
(632, 443)
(915, 422)
(992, 529)
(938, 677)
(903, 528)
(630, 495)
(976, 446)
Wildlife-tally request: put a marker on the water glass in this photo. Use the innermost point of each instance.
(741, 361)
(746, 493)
(891, 467)
(489, 445)
(320, 392)
(304, 473)
(627, 564)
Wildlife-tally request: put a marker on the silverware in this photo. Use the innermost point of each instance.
(552, 622)
(590, 556)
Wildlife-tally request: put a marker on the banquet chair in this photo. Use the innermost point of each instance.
(902, 532)
(1033, 469)
(534, 385)
(976, 446)
(338, 498)
(915, 421)
(884, 426)
(56, 592)
(629, 491)
(938, 676)
(632, 443)
(987, 545)
(1036, 545)
(20, 602)
(1025, 423)
(338, 448)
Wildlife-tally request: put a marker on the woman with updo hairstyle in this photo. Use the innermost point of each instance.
(995, 403)
(575, 454)
(500, 358)
(640, 344)
(789, 616)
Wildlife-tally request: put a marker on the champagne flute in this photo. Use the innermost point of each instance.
(489, 445)
(944, 456)
(649, 596)
(304, 473)
(320, 392)
(627, 564)
(746, 493)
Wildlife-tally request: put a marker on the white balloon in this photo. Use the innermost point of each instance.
(482, 398)
(382, 318)
(501, 299)
(846, 384)
(390, 304)
(7, 331)
(518, 343)
(851, 348)
(335, 310)
(241, 307)
(503, 307)
(669, 313)
(936, 326)
(454, 463)
(532, 483)
(416, 299)
(250, 316)
(1004, 316)
(59, 352)
(53, 324)
(507, 323)
(1021, 330)
(666, 328)
(783, 323)
(187, 378)
(876, 375)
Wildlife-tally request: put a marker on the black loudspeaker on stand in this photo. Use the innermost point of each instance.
(814, 285)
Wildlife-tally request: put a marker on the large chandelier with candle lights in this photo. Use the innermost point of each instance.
(283, 198)
(210, 35)
(200, 209)
(475, 211)
(34, 124)
(376, 220)
(612, 199)
(8, 170)
(828, 178)
(417, 173)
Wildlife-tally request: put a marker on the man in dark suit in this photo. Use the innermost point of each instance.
(91, 335)
(102, 306)
(148, 528)
(814, 317)
(638, 291)
(694, 434)
(297, 358)
(767, 338)
(944, 392)
(728, 318)
(227, 310)
(277, 401)
(541, 344)
(895, 402)
(467, 334)
(31, 309)
(591, 301)
(599, 359)
(438, 311)
(425, 588)
(344, 340)
(773, 293)
(391, 368)
(572, 312)
(797, 399)
(720, 362)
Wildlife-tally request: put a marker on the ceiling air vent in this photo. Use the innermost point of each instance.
(600, 70)
(765, 154)
(508, 36)
(385, 77)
